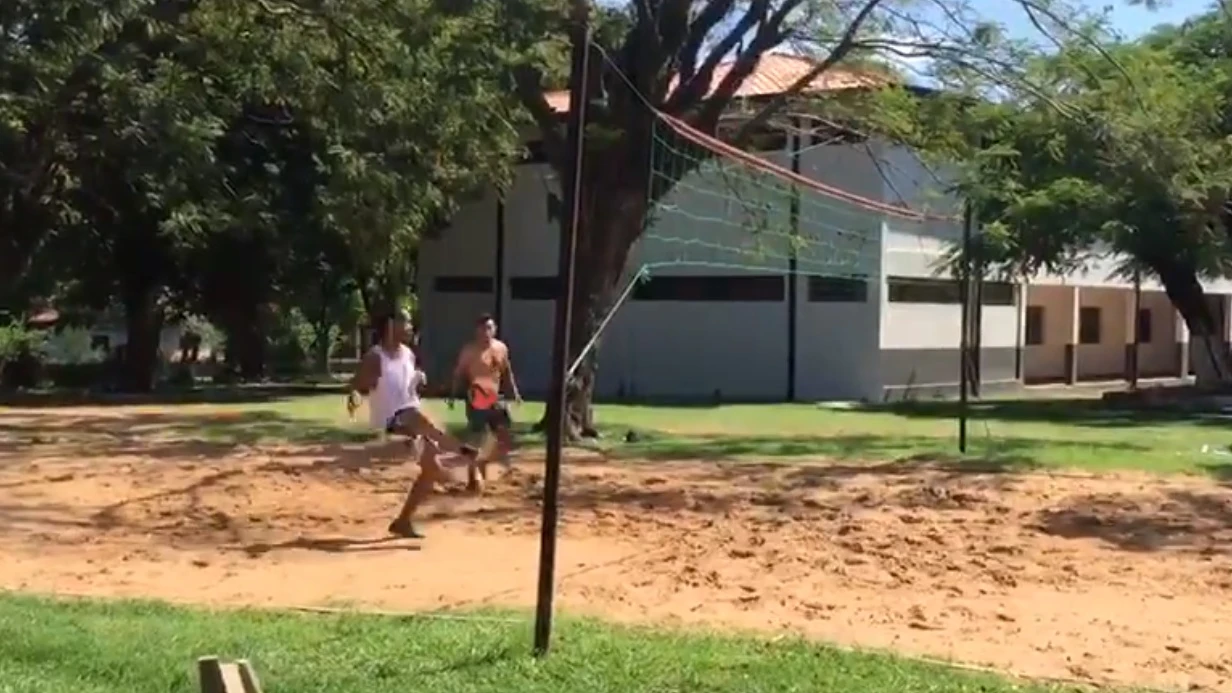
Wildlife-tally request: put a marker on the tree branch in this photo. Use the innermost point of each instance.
(528, 82)
(692, 90)
(841, 50)
(706, 20)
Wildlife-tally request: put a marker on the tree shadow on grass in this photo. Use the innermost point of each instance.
(470, 663)
(1013, 452)
(1221, 471)
(222, 394)
(1086, 412)
(173, 434)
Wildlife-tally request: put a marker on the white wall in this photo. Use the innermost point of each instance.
(1046, 361)
(1159, 356)
(722, 219)
(466, 248)
(920, 341)
(837, 343)
(168, 339)
(531, 250)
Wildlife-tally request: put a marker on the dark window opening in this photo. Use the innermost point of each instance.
(534, 288)
(763, 139)
(944, 291)
(463, 285)
(753, 288)
(1144, 326)
(1088, 325)
(837, 290)
(1035, 326)
(997, 294)
(903, 290)
(534, 153)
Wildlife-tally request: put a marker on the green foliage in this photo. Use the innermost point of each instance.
(211, 338)
(17, 340)
(209, 156)
(71, 345)
(1129, 154)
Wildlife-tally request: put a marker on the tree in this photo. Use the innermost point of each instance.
(1131, 155)
(688, 58)
(207, 151)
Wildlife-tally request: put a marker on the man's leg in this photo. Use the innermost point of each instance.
(416, 422)
(430, 472)
(477, 472)
(502, 427)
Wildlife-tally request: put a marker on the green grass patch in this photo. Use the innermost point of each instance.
(1011, 434)
(126, 647)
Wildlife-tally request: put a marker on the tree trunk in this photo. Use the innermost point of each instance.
(611, 222)
(1185, 292)
(143, 323)
(244, 328)
(322, 342)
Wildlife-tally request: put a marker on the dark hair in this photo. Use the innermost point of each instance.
(380, 324)
(483, 318)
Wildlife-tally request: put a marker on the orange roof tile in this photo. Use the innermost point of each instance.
(775, 73)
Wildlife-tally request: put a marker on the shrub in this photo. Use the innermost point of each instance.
(20, 349)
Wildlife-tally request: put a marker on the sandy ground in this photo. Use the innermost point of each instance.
(1119, 579)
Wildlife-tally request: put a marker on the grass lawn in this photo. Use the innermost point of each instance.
(1074, 433)
(1017, 433)
(125, 647)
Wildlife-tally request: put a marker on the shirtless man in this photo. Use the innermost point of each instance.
(388, 375)
(483, 364)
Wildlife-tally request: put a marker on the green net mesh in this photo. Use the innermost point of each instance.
(715, 209)
(713, 206)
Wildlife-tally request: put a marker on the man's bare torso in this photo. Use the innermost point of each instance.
(485, 364)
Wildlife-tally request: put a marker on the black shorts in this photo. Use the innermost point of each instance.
(495, 418)
(395, 425)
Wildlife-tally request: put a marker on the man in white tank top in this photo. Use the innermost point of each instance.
(388, 376)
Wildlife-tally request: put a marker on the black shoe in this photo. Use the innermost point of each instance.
(404, 528)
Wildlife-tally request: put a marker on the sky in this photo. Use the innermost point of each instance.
(1132, 21)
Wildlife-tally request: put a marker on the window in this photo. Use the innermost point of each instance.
(534, 153)
(997, 294)
(463, 285)
(1088, 325)
(939, 291)
(1034, 328)
(837, 290)
(1144, 326)
(534, 288)
(763, 139)
(903, 290)
(759, 288)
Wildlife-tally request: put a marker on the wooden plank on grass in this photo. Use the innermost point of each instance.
(232, 682)
(251, 683)
(220, 677)
(209, 673)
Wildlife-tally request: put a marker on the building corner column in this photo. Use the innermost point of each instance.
(1182, 345)
(1071, 341)
(1133, 302)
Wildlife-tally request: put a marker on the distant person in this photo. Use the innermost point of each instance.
(483, 365)
(388, 376)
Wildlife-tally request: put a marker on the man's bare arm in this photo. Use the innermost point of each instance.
(363, 380)
(508, 374)
(459, 374)
(366, 375)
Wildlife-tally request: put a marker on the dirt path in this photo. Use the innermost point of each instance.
(1122, 579)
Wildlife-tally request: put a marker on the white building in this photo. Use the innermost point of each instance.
(724, 317)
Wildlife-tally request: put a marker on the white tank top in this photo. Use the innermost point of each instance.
(397, 388)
